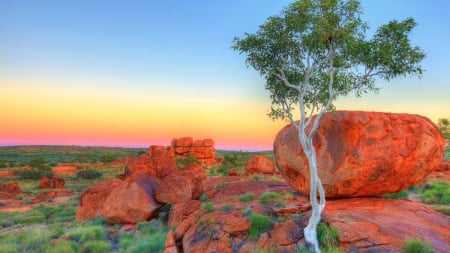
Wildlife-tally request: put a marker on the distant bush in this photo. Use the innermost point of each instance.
(249, 196)
(83, 234)
(34, 174)
(38, 163)
(89, 174)
(436, 192)
(397, 195)
(258, 224)
(416, 245)
(29, 219)
(181, 162)
(107, 159)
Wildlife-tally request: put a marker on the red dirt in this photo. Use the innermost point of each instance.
(65, 169)
(6, 174)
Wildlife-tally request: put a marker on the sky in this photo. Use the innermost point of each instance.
(140, 73)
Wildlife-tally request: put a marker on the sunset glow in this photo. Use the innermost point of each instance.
(136, 75)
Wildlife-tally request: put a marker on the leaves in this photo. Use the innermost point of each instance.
(317, 50)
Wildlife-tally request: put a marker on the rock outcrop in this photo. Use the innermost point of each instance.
(9, 190)
(132, 201)
(259, 164)
(202, 150)
(363, 153)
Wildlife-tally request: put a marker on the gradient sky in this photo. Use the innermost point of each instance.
(135, 73)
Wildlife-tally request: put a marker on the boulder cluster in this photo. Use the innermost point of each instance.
(359, 154)
(150, 181)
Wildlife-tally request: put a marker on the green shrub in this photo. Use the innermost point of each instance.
(182, 162)
(328, 236)
(34, 174)
(89, 174)
(208, 206)
(83, 234)
(272, 199)
(63, 246)
(249, 196)
(203, 197)
(149, 227)
(153, 243)
(416, 245)
(257, 178)
(125, 241)
(397, 195)
(29, 219)
(437, 192)
(258, 223)
(97, 246)
(225, 207)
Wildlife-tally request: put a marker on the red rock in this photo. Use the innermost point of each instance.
(156, 150)
(444, 166)
(363, 153)
(180, 211)
(92, 199)
(198, 143)
(202, 152)
(170, 246)
(259, 164)
(208, 143)
(132, 201)
(158, 165)
(286, 233)
(371, 223)
(184, 142)
(12, 187)
(197, 167)
(58, 182)
(233, 172)
(179, 187)
(45, 183)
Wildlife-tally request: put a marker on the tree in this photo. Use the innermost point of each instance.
(444, 127)
(315, 51)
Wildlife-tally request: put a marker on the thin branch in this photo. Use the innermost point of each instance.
(283, 79)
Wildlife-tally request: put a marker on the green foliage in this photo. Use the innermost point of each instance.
(37, 218)
(208, 206)
(34, 173)
(107, 159)
(249, 196)
(97, 246)
(63, 246)
(313, 43)
(225, 207)
(328, 236)
(444, 127)
(149, 227)
(203, 197)
(271, 199)
(397, 195)
(416, 245)
(38, 163)
(83, 234)
(437, 192)
(257, 178)
(182, 162)
(258, 224)
(89, 174)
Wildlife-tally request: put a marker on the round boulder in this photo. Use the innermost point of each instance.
(259, 164)
(362, 153)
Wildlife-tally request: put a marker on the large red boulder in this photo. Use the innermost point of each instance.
(132, 201)
(179, 187)
(363, 153)
(158, 164)
(259, 164)
(92, 199)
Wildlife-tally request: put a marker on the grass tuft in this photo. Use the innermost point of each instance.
(416, 245)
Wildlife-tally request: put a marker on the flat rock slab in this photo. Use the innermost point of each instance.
(366, 224)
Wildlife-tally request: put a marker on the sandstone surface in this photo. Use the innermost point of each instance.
(45, 183)
(363, 153)
(92, 199)
(132, 201)
(58, 182)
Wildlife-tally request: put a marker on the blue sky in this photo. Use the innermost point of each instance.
(177, 53)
